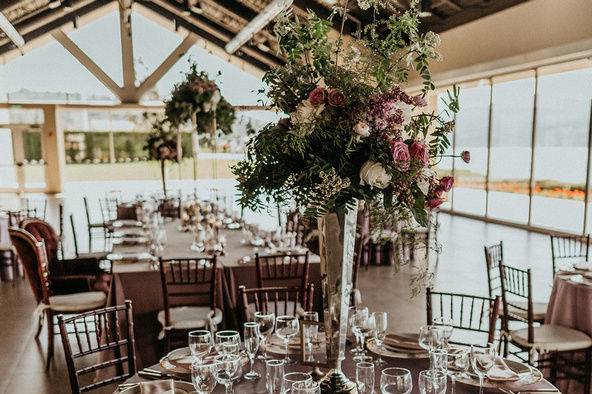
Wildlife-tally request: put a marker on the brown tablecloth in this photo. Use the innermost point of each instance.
(570, 306)
(140, 283)
(349, 368)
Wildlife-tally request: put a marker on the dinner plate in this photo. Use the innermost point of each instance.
(160, 387)
(527, 376)
(179, 361)
(406, 349)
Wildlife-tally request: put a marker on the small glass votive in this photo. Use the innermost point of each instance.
(365, 377)
(293, 377)
(308, 387)
(439, 360)
(274, 374)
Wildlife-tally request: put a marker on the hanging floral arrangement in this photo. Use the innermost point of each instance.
(198, 95)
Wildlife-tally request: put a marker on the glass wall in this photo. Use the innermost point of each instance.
(509, 178)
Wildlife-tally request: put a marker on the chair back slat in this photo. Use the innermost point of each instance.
(469, 313)
(494, 256)
(279, 300)
(565, 247)
(188, 282)
(113, 330)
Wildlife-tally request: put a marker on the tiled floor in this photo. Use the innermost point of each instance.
(460, 269)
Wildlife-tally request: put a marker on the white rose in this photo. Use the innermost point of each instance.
(362, 129)
(374, 174)
(424, 180)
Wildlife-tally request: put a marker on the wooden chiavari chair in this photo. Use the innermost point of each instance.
(545, 339)
(99, 332)
(569, 249)
(280, 300)
(34, 260)
(474, 317)
(189, 297)
(103, 226)
(102, 255)
(283, 269)
(36, 208)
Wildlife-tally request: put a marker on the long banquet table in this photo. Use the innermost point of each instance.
(140, 283)
(243, 386)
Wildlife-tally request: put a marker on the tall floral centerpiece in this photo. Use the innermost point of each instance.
(161, 145)
(352, 132)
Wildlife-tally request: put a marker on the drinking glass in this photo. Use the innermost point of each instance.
(203, 376)
(306, 388)
(439, 360)
(482, 360)
(228, 368)
(293, 377)
(228, 342)
(362, 327)
(432, 382)
(431, 338)
(252, 339)
(200, 343)
(395, 381)
(310, 332)
(447, 325)
(266, 325)
(274, 376)
(355, 313)
(365, 377)
(458, 364)
(286, 327)
(380, 327)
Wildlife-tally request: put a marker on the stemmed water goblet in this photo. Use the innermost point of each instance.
(228, 342)
(458, 364)
(266, 321)
(310, 332)
(447, 326)
(432, 382)
(379, 333)
(294, 377)
(228, 368)
(252, 340)
(204, 376)
(482, 360)
(395, 381)
(365, 377)
(287, 327)
(431, 337)
(362, 326)
(200, 343)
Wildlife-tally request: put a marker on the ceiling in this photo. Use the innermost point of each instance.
(218, 21)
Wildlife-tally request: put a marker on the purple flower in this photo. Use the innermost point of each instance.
(419, 151)
(400, 152)
(419, 101)
(434, 203)
(446, 183)
(317, 96)
(465, 156)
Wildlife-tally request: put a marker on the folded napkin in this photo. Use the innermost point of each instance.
(584, 266)
(401, 342)
(501, 372)
(166, 387)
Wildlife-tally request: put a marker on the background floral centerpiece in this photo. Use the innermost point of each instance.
(351, 132)
(161, 145)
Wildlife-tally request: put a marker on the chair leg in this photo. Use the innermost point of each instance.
(588, 372)
(49, 340)
(553, 366)
(40, 325)
(89, 239)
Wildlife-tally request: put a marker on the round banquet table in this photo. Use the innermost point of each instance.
(243, 386)
(570, 306)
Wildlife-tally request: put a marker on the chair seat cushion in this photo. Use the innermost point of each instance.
(551, 337)
(539, 310)
(190, 317)
(78, 302)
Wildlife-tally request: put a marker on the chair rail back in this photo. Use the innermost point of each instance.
(281, 300)
(494, 255)
(517, 282)
(569, 246)
(291, 269)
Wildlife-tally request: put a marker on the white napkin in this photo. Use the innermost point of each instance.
(501, 372)
(584, 266)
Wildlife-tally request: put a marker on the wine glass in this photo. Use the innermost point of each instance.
(252, 339)
(482, 360)
(294, 377)
(431, 338)
(200, 343)
(228, 342)
(306, 388)
(274, 376)
(432, 382)
(447, 325)
(365, 377)
(203, 376)
(228, 367)
(458, 364)
(379, 333)
(362, 327)
(286, 327)
(310, 332)
(395, 381)
(354, 315)
(266, 325)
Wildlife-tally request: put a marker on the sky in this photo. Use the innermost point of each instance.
(50, 68)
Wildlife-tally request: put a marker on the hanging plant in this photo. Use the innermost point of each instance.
(199, 95)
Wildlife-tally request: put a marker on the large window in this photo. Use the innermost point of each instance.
(508, 178)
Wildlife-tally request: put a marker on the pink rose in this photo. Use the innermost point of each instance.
(446, 183)
(336, 98)
(317, 96)
(419, 101)
(434, 203)
(465, 156)
(400, 152)
(419, 151)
